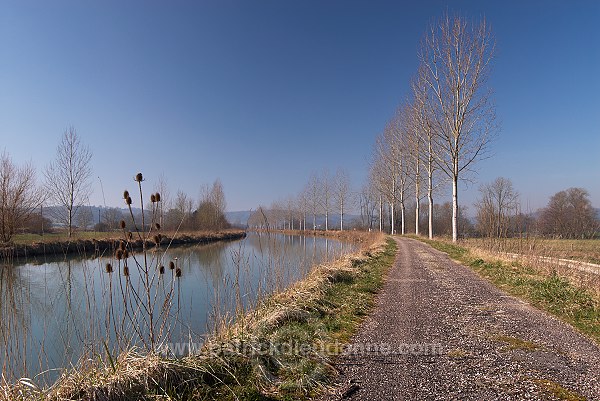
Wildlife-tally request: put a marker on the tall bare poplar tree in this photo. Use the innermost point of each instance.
(313, 189)
(68, 176)
(342, 191)
(423, 124)
(326, 195)
(455, 57)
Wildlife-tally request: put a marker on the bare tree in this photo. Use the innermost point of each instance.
(19, 196)
(385, 175)
(569, 214)
(68, 177)
(85, 218)
(455, 59)
(163, 190)
(390, 168)
(367, 201)
(498, 205)
(179, 216)
(422, 121)
(313, 189)
(341, 193)
(326, 195)
(216, 198)
(111, 217)
(303, 202)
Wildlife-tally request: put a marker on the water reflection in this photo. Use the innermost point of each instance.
(54, 311)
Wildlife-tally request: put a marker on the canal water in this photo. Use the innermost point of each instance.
(53, 312)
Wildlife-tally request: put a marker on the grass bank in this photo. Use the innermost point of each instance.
(282, 350)
(95, 244)
(557, 294)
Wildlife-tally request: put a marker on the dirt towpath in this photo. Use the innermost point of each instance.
(440, 332)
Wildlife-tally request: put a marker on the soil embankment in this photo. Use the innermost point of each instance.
(96, 247)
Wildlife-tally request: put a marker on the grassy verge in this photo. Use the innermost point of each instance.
(282, 350)
(555, 294)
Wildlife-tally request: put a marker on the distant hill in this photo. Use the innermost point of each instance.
(239, 218)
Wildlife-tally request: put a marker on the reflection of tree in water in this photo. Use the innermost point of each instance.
(210, 258)
(46, 317)
(14, 321)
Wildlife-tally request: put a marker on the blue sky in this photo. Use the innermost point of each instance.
(262, 93)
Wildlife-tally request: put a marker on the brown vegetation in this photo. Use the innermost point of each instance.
(99, 246)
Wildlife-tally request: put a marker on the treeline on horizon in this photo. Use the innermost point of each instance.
(568, 214)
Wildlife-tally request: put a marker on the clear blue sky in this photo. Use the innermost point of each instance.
(262, 93)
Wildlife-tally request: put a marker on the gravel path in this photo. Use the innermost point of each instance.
(440, 332)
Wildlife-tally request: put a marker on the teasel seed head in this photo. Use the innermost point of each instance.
(171, 265)
(119, 254)
(157, 239)
(125, 194)
(152, 198)
(157, 225)
(178, 272)
(161, 269)
(125, 254)
(128, 200)
(126, 271)
(121, 245)
(129, 235)
(122, 224)
(109, 268)
(157, 196)
(139, 177)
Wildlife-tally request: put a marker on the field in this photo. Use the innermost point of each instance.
(578, 249)
(26, 239)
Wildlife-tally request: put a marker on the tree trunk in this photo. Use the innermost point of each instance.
(393, 209)
(380, 214)
(455, 208)
(402, 217)
(430, 200)
(342, 215)
(417, 198)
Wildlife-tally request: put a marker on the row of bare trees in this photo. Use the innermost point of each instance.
(445, 125)
(322, 196)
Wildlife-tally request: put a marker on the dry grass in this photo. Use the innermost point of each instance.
(581, 250)
(544, 267)
(247, 359)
